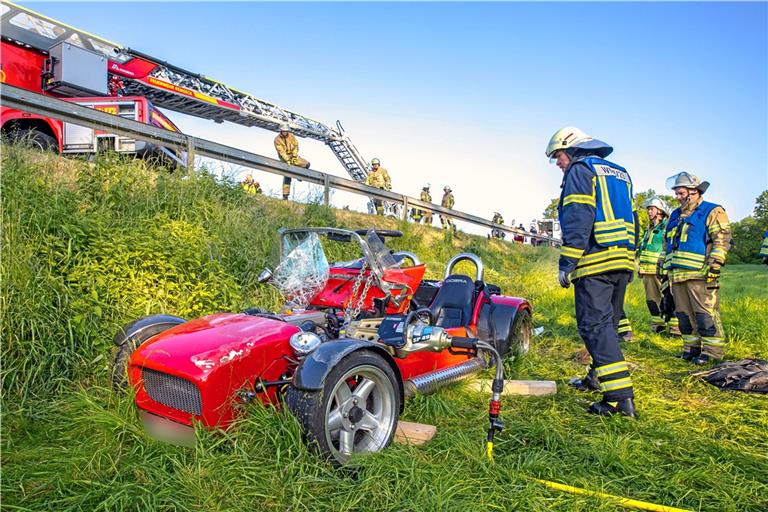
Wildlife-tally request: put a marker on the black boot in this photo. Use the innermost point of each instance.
(701, 359)
(690, 356)
(586, 383)
(624, 407)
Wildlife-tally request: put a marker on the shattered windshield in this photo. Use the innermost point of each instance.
(303, 269)
(381, 256)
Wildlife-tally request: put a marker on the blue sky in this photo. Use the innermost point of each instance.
(469, 94)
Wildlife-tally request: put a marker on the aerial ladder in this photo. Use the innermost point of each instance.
(134, 73)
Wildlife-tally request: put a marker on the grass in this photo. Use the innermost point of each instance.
(87, 247)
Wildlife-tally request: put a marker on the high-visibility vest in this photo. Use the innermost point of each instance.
(687, 238)
(651, 248)
(611, 245)
(764, 248)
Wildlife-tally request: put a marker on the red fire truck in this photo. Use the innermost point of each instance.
(42, 58)
(45, 55)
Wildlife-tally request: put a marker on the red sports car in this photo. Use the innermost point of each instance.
(354, 339)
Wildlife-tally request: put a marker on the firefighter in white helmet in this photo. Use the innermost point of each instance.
(697, 239)
(650, 253)
(379, 178)
(288, 150)
(598, 225)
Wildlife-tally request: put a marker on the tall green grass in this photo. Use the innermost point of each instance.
(89, 246)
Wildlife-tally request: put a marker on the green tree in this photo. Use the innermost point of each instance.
(550, 212)
(747, 234)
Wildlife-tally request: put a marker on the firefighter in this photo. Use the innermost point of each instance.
(764, 248)
(650, 254)
(598, 233)
(250, 185)
(288, 150)
(447, 202)
(424, 215)
(497, 233)
(697, 237)
(379, 178)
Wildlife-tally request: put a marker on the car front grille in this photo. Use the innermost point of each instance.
(172, 391)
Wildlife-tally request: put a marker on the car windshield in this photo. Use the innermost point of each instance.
(303, 269)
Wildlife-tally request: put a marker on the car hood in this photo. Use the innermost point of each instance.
(200, 347)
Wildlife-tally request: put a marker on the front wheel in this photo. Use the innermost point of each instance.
(355, 412)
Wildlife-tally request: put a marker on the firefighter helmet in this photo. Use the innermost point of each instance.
(659, 203)
(285, 127)
(447, 189)
(571, 137)
(375, 161)
(687, 180)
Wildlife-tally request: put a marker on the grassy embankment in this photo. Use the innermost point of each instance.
(88, 247)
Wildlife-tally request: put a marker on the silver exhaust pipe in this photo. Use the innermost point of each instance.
(431, 382)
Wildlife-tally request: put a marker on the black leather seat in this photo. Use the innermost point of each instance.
(454, 302)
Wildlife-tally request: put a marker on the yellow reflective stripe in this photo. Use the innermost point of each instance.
(605, 199)
(608, 369)
(571, 252)
(579, 198)
(612, 237)
(613, 385)
(605, 267)
(604, 225)
(689, 255)
(610, 252)
(713, 341)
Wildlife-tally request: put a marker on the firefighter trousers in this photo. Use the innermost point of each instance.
(652, 285)
(599, 302)
(298, 162)
(697, 307)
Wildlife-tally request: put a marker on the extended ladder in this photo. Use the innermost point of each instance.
(174, 88)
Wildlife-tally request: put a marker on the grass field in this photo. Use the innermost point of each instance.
(88, 247)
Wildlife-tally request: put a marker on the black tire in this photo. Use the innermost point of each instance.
(37, 140)
(361, 376)
(520, 334)
(131, 337)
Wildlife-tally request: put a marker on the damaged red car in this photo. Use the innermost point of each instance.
(354, 340)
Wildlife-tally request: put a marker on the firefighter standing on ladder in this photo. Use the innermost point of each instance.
(288, 150)
(698, 237)
(598, 224)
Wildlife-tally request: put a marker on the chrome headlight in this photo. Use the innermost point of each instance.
(304, 342)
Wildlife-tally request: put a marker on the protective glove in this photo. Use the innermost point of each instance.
(564, 278)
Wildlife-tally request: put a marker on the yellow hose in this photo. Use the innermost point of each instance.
(622, 501)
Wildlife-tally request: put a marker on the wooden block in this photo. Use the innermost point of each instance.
(518, 387)
(414, 433)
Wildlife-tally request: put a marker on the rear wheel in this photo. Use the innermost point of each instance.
(355, 412)
(131, 337)
(521, 333)
(36, 139)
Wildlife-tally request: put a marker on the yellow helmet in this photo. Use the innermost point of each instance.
(572, 137)
(375, 161)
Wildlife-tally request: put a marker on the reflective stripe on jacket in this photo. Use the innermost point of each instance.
(651, 248)
(764, 248)
(597, 218)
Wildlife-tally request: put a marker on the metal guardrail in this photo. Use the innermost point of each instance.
(28, 101)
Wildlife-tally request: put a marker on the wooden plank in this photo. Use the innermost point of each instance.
(414, 433)
(518, 387)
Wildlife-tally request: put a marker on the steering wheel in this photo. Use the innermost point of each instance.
(415, 314)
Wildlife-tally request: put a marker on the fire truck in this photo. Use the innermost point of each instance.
(45, 55)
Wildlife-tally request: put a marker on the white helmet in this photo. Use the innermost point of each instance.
(687, 180)
(571, 137)
(658, 203)
(375, 161)
(447, 189)
(285, 127)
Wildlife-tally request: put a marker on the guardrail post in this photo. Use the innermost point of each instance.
(326, 190)
(190, 155)
(405, 208)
